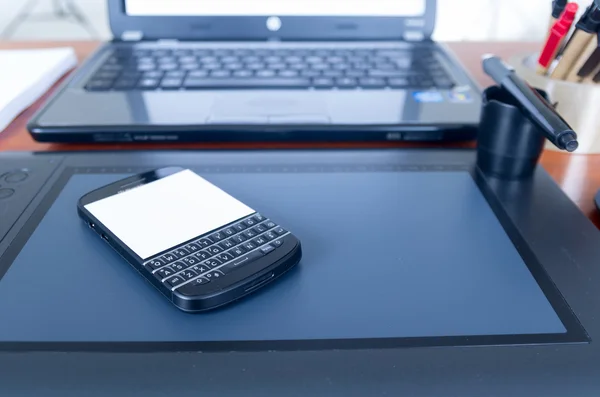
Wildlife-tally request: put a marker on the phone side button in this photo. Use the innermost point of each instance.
(193, 288)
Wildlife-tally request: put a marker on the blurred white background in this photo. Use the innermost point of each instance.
(506, 20)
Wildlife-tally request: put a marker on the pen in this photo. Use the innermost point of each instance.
(557, 35)
(585, 30)
(532, 104)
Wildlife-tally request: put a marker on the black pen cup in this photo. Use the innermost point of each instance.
(509, 145)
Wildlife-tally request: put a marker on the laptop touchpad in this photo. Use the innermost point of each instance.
(269, 108)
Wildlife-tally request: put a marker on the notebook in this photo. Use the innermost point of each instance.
(25, 75)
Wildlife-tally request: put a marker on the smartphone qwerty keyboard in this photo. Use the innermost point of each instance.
(218, 253)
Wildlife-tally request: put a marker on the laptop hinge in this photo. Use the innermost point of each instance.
(132, 35)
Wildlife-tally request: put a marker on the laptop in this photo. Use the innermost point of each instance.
(265, 70)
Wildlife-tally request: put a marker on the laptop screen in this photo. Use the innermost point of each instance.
(356, 8)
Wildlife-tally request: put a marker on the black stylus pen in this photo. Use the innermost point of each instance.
(532, 104)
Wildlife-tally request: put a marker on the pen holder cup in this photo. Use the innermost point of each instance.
(577, 103)
(509, 145)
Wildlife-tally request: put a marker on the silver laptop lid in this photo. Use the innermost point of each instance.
(272, 19)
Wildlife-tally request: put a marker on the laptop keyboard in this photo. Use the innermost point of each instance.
(201, 69)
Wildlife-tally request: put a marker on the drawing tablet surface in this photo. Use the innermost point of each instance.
(395, 254)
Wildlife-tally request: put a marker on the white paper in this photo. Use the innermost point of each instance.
(163, 214)
(25, 75)
(276, 7)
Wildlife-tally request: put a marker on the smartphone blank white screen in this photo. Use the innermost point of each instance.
(170, 211)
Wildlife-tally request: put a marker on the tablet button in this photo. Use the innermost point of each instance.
(6, 193)
(17, 176)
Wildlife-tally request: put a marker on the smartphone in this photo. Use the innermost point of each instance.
(198, 245)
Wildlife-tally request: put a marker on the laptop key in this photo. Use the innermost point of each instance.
(171, 83)
(155, 74)
(333, 73)
(323, 82)
(346, 82)
(398, 82)
(220, 73)
(372, 82)
(243, 73)
(145, 67)
(247, 83)
(266, 73)
(288, 73)
(198, 73)
(355, 73)
(387, 73)
(175, 74)
(168, 66)
(310, 73)
(190, 66)
(148, 84)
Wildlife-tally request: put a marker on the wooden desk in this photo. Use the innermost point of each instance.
(578, 175)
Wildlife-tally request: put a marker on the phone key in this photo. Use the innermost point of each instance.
(266, 249)
(168, 258)
(155, 264)
(164, 273)
(259, 218)
(194, 287)
(218, 236)
(229, 232)
(238, 239)
(215, 249)
(175, 281)
(204, 242)
(200, 268)
(226, 244)
(214, 262)
(203, 255)
(188, 274)
(259, 241)
(181, 252)
(249, 246)
(215, 274)
(279, 230)
(192, 247)
(260, 228)
(277, 243)
(270, 224)
(225, 257)
(250, 222)
(178, 266)
(269, 235)
(191, 260)
(239, 227)
(241, 261)
(249, 233)
(200, 281)
(237, 251)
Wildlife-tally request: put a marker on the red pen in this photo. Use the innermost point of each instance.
(556, 37)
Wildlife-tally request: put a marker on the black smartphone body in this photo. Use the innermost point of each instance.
(199, 246)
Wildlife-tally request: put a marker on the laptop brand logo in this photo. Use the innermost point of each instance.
(273, 24)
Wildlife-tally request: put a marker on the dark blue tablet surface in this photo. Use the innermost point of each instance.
(386, 255)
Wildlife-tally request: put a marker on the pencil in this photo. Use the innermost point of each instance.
(572, 54)
(572, 75)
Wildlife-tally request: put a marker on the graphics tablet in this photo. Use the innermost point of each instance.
(419, 277)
